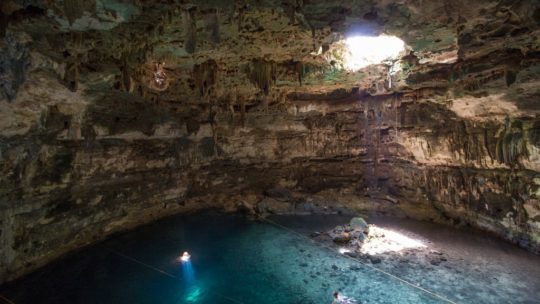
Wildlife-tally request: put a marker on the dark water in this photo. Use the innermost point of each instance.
(233, 261)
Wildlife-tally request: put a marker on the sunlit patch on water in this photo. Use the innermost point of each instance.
(381, 240)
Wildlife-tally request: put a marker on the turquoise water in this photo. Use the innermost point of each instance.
(233, 260)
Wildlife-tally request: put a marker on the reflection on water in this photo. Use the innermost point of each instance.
(193, 294)
(187, 271)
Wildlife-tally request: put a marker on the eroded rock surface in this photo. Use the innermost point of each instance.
(115, 113)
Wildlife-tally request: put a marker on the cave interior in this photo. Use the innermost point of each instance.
(362, 114)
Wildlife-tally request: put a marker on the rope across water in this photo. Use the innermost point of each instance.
(6, 300)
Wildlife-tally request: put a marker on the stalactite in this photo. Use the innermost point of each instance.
(190, 28)
(78, 54)
(262, 74)
(127, 81)
(510, 77)
(212, 26)
(289, 11)
(213, 125)
(511, 144)
(240, 10)
(299, 69)
(242, 111)
(169, 17)
(486, 145)
(206, 76)
(465, 142)
(231, 103)
(295, 67)
(71, 76)
(534, 134)
(511, 147)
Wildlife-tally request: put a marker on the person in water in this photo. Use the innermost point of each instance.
(336, 298)
(184, 257)
(339, 299)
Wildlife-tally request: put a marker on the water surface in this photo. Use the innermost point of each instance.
(234, 260)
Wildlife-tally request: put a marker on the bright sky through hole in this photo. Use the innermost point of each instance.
(367, 50)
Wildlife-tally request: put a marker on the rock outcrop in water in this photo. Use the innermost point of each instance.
(115, 113)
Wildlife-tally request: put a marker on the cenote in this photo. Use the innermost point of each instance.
(238, 260)
(269, 151)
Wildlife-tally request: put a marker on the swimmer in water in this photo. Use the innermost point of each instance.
(185, 257)
(336, 298)
(339, 299)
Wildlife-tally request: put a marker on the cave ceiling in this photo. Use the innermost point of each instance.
(463, 51)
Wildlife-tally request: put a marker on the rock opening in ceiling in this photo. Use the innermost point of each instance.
(363, 51)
